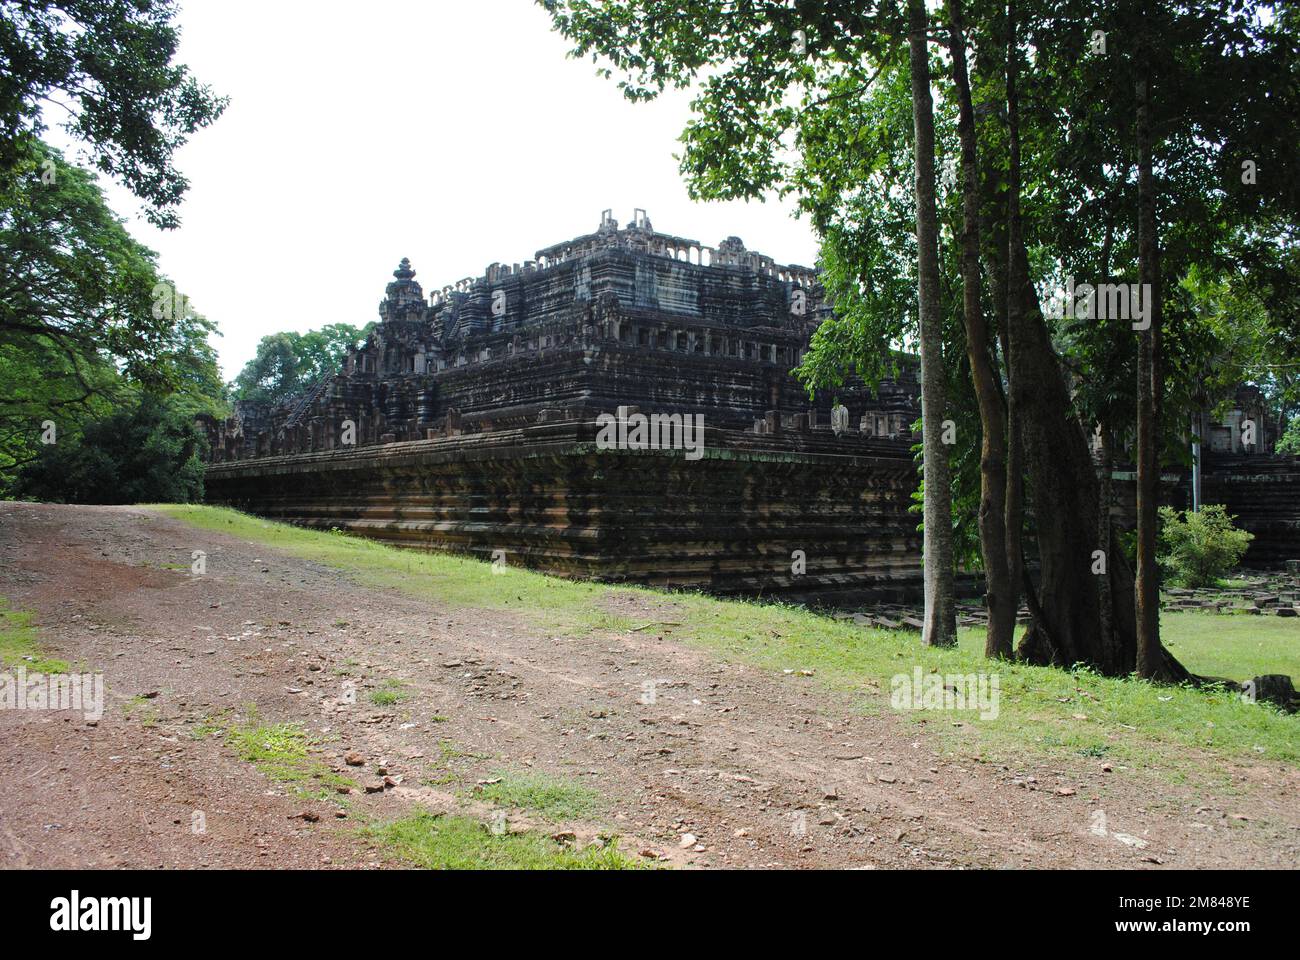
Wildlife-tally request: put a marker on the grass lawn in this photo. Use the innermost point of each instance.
(1239, 647)
(1168, 730)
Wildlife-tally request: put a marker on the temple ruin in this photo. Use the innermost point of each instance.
(478, 419)
(470, 420)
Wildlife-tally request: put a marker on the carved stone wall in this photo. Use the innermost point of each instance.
(619, 316)
(547, 495)
(473, 418)
(1263, 493)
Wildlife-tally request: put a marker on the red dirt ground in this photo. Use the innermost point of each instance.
(737, 756)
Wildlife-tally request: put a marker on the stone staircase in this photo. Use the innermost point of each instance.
(308, 399)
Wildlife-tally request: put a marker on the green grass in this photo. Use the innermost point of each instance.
(442, 842)
(390, 692)
(209, 726)
(1127, 720)
(18, 643)
(457, 581)
(1240, 647)
(1167, 729)
(279, 750)
(555, 799)
(282, 751)
(443, 769)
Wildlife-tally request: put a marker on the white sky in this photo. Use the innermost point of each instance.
(453, 132)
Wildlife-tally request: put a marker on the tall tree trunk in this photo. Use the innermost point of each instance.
(1014, 342)
(1001, 598)
(940, 598)
(1015, 499)
(990, 65)
(1147, 593)
(1105, 542)
(1059, 468)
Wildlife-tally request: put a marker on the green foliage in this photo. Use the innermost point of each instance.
(86, 316)
(19, 646)
(279, 749)
(282, 752)
(390, 693)
(83, 321)
(149, 452)
(39, 383)
(288, 363)
(1289, 443)
(1198, 548)
(867, 225)
(109, 65)
(72, 274)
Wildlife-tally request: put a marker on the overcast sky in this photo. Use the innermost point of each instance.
(453, 132)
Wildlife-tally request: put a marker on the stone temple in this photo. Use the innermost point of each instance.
(478, 419)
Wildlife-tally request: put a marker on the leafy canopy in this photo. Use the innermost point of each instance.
(149, 452)
(85, 315)
(288, 363)
(106, 67)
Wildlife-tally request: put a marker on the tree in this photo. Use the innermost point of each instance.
(1144, 138)
(1199, 547)
(84, 312)
(1289, 442)
(109, 65)
(288, 363)
(149, 452)
(42, 396)
(1001, 565)
(940, 597)
(1147, 588)
(1072, 194)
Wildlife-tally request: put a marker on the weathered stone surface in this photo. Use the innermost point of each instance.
(616, 317)
(1276, 688)
(1263, 493)
(549, 498)
(468, 421)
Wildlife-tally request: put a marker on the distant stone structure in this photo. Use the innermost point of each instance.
(1240, 469)
(1243, 471)
(620, 316)
(1246, 427)
(470, 420)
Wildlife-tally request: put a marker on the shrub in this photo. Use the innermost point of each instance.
(149, 453)
(1289, 443)
(1198, 548)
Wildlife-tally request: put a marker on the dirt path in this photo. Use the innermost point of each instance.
(762, 769)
